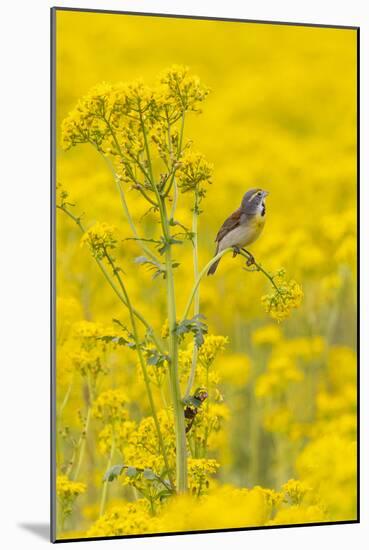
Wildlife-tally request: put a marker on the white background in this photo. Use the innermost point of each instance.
(24, 271)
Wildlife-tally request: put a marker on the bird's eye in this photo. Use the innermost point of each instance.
(259, 193)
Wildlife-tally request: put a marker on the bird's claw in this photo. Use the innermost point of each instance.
(236, 251)
(250, 258)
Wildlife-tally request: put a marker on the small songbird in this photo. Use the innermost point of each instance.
(244, 226)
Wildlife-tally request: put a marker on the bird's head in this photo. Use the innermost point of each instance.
(253, 201)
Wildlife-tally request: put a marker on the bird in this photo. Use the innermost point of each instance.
(244, 226)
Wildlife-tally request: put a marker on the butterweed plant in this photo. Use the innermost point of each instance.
(140, 131)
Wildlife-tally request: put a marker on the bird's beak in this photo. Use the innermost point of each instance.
(265, 194)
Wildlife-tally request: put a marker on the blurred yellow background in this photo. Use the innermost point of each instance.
(281, 115)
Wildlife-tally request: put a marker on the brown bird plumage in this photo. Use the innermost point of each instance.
(243, 226)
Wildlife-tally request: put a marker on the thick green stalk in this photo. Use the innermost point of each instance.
(196, 307)
(179, 420)
(143, 365)
(200, 277)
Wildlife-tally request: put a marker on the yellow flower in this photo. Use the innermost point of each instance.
(66, 489)
(342, 366)
(295, 515)
(181, 90)
(110, 406)
(122, 432)
(127, 519)
(211, 347)
(87, 330)
(199, 472)
(87, 362)
(294, 491)
(281, 370)
(234, 369)
(100, 239)
(328, 465)
(143, 449)
(268, 335)
(193, 172)
(286, 296)
(222, 508)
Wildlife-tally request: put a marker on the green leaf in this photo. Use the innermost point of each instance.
(154, 357)
(194, 326)
(117, 340)
(158, 268)
(114, 472)
(149, 474)
(131, 471)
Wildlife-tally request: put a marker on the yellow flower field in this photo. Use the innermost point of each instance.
(187, 402)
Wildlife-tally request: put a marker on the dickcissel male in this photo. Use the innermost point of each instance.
(244, 226)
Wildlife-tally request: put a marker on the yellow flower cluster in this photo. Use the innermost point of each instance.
(110, 406)
(100, 239)
(68, 489)
(111, 117)
(193, 172)
(87, 362)
(284, 298)
(234, 369)
(199, 472)
(127, 519)
(181, 89)
(281, 371)
(143, 449)
(294, 491)
(85, 123)
(212, 346)
(121, 433)
(281, 403)
(222, 508)
(267, 335)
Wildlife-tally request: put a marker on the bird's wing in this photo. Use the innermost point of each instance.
(231, 223)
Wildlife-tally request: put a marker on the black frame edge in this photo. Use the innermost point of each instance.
(205, 18)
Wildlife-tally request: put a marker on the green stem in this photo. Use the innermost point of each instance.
(83, 444)
(179, 420)
(137, 314)
(105, 483)
(175, 200)
(173, 180)
(127, 213)
(207, 267)
(142, 364)
(259, 268)
(66, 398)
(196, 308)
(200, 277)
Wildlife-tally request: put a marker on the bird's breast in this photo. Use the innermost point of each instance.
(245, 234)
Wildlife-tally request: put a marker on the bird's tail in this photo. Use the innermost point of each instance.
(213, 267)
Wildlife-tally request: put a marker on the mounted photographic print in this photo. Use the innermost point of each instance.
(205, 187)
